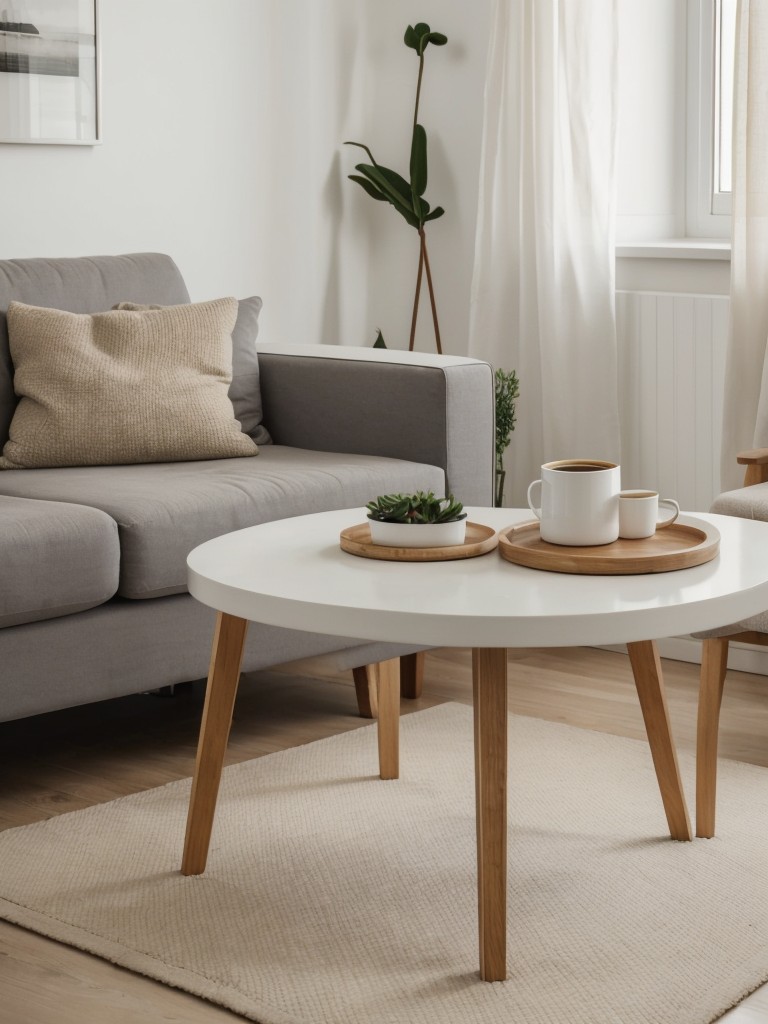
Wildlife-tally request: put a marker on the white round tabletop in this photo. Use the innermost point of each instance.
(293, 573)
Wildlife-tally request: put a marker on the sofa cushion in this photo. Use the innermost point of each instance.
(165, 510)
(122, 387)
(56, 559)
(87, 284)
(244, 391)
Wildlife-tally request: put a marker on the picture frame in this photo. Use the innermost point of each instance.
(49, 72)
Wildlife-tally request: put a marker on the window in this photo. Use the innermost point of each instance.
(711, 48)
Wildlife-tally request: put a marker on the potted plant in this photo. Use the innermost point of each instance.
(417, 520)
(406, 195)
(507, 390)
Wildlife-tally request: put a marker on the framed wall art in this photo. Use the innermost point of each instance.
(49, 72)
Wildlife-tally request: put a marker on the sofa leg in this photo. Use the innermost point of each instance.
(412, 675)
(714, 663)
(367, 689)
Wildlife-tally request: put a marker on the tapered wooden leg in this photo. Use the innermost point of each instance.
(412, 675)
(714, 662)
(646, 667)
(389, 718)
(489, 683)
(223, 677)
(366, 687)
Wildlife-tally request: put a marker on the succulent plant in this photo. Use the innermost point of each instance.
(415, 508)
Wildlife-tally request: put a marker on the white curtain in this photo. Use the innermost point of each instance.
(543, 287)
(745, 421)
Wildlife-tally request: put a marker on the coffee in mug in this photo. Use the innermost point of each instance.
(579, 502)
(639, 513)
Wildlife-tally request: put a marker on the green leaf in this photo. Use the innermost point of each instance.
(437, 38)
(410, 38)
(370, 188)
(398, 182)
(437, 212)
(419, 160)
(395, 188)
(379, 343)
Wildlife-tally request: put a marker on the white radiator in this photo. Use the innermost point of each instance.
(671, 370)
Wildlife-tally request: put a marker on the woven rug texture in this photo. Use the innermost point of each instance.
(332, 897)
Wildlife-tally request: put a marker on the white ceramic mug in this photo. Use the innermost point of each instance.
(639, 513)
(579, 503)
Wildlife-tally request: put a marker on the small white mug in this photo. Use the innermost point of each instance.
(639, 513)
(579, 502)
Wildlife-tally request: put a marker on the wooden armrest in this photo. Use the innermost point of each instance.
(755, 457)
(756, 462)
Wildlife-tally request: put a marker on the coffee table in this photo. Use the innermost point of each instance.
(293, 573)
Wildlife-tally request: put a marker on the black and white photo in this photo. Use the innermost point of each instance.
(49, 72)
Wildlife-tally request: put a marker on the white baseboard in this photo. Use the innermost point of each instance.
(741, 657)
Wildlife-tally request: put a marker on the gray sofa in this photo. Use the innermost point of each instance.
(93, 600)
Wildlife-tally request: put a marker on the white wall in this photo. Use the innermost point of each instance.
(209, 112)
(222, 145)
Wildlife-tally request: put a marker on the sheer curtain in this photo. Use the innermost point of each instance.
(745, 421)
(543, 286)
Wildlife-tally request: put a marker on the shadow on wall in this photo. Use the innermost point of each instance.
(331, 313)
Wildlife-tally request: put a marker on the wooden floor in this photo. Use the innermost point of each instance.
(76, 758)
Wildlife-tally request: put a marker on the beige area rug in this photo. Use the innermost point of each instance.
(334, 898)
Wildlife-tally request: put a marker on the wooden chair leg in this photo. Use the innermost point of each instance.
(646, 667)
(223, 677)
(366, 687)
(412, 675)
(714, 662)
(389, 718)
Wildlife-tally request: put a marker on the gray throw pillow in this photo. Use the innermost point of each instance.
(244, 392)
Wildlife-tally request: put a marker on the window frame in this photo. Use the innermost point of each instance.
(707, 212)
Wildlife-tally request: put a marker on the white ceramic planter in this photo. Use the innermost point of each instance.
(418, 535)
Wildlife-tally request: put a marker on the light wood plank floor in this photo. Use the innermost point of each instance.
(75, 758)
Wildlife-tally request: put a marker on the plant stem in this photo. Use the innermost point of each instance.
(418, 90)
(500, 474)
(416, 301)
(423, 236)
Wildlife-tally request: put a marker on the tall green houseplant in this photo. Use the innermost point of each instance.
(507, 390)
(407, 196)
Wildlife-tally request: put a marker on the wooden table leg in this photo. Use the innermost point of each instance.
(646, 667)
(412, 675)
(714, 663)
(223, 677)
(489, 680)
(366, 679)
(389, 718)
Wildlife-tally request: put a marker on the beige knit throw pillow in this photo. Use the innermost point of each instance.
(122, 387)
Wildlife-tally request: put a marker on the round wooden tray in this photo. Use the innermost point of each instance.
(684, 544)
(357, 541)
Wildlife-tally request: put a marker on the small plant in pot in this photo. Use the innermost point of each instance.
(417, 520)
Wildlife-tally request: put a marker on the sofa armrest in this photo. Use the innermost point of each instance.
(438, 410)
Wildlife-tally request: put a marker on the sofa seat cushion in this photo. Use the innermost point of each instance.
(56, 559)
(165, 510)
